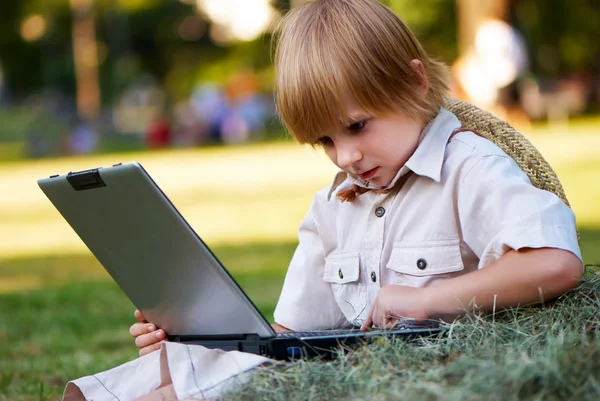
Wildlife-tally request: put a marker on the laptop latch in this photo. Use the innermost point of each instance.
(87, 179)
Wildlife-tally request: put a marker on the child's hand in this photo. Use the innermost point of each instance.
(396, 302)
(147, 337)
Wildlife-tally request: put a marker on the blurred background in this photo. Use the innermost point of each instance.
(185, 88)
(92, 76)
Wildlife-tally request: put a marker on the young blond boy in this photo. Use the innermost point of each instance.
(423, 220)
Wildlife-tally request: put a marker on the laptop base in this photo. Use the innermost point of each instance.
(293, 348)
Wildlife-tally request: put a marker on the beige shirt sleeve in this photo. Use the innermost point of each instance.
(500, 210)
(306, 301)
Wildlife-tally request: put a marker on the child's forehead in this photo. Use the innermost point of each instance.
(351, 108)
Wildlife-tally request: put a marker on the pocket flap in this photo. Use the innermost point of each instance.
(426, 258)
(342, 268)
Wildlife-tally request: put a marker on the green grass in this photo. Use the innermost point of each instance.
(77, 324)
(51, 335)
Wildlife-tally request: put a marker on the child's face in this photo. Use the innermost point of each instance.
(372, 148)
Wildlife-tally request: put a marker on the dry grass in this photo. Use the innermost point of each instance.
(542, 353)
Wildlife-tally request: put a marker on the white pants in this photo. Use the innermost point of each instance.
(195, 372)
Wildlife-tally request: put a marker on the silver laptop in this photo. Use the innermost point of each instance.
(171, 275)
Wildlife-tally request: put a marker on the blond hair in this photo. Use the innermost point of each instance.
(328, 48)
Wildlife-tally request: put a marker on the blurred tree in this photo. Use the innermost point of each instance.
(148, 40)
(563, 36)
(471, 14)
(30, 64)
(433, 22)
(85, 57)
(159, 37)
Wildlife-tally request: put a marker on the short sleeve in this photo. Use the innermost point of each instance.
(499, 210)
(306, 301)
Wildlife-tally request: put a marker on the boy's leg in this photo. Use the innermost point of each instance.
(165, 392)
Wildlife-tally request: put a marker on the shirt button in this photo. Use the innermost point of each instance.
(421, 264)
(380, 211)
(373, 277)
(340, 273)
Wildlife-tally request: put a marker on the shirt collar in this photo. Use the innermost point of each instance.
(339, 178)
(427, 159)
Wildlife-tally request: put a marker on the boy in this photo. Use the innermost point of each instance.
(423, 221)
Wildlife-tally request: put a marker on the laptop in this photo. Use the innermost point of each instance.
(170, 274)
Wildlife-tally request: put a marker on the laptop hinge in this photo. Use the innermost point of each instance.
(214, 337)
(251, 343)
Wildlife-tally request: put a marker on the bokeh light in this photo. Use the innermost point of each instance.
(191, 28)
(33, 27)
(237, 19)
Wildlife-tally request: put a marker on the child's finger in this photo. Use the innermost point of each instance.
(367, 323)
(145, 340)
(139, 316)
(390, 322)
(138, 329)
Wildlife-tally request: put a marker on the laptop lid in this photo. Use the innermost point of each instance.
(152, 253)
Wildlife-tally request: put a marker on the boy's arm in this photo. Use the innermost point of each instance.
(518, 278)
(525, 238)
(307, 301)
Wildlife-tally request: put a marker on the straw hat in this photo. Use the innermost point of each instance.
(511, 142)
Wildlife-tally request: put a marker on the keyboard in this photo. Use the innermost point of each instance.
(402, 325)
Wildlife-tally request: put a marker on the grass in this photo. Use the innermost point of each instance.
(63, 331)
(543, 353)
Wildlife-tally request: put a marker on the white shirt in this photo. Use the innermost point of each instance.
(466, 205)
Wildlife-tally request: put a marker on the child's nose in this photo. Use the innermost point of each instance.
(347, 156)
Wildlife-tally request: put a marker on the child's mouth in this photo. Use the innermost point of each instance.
(368, 174)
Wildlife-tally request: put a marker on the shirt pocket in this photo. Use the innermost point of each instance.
(418, 264)
(342, 268)
(342, 271)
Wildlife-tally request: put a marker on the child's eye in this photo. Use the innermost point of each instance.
(357, 126)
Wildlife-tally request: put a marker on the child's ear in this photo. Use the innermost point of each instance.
(423, 87)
